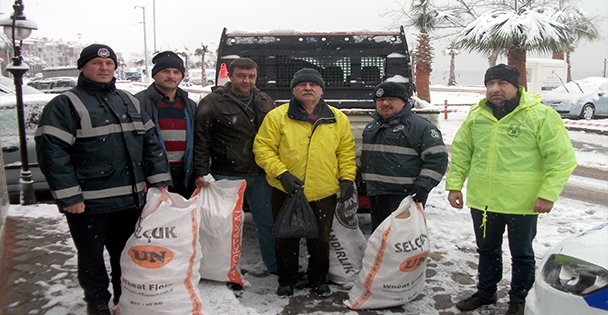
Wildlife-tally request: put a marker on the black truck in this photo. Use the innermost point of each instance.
(352, 63)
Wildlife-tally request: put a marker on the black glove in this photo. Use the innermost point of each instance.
(347, 187)
(290, 183)
(419, 194)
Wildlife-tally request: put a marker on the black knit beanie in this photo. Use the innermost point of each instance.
(307, 75)
(167, 59)
(502, 72)
(94, 51)
(391, 89)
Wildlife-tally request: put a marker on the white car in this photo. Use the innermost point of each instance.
(573, 277)
(586, 98)
(34, 101)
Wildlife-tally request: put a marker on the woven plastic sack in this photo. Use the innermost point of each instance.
(395, 259)
(161, 259)
(346, 243)
(221, 230)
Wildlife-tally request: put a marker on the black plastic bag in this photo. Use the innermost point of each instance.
(296, 219)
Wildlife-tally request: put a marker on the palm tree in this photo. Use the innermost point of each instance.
(184, 53)
(452, 52)
(514, 32)
(201, 52)
(426, 18)
(578, 26)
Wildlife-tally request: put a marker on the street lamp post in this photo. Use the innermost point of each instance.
(154, 23)
(18, 28)
(145, 41)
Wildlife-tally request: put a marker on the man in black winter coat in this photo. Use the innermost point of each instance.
(98, 150)
(403, 154)
(173, 115)
(227, 121)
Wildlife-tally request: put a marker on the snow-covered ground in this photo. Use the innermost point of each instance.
(452, 244)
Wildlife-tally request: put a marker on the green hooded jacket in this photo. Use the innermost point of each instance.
(512, 161)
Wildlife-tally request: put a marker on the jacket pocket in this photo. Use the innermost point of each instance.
(93, 170)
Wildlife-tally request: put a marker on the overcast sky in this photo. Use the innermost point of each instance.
(187, 23)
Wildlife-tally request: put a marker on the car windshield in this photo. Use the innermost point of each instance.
(7, 86)
(587, 86)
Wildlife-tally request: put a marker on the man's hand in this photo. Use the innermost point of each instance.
(163, 188)
(201, 182)
(347, 188)
(543, 205)
(455, 199)
(290, 183)
(75, 208)
(419, 194)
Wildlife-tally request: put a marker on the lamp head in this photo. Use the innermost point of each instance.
(23, 27)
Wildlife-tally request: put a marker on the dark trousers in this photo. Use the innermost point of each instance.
(382, 207)
(288, 249)
(91, 233)
(178, 177)
(521, 230)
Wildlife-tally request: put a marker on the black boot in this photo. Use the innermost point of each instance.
(475, 301)
(516, 308)
(98, 309)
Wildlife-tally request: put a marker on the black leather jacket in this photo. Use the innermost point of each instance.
(224, 133)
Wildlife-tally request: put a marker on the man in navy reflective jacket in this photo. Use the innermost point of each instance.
(403, 154)
(98, 150)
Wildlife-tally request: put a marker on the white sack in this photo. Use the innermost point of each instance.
(394, 264)
(346, 243)
(222, 230)
(160, 261)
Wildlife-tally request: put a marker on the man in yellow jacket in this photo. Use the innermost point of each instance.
(517, 156)
(307, 144)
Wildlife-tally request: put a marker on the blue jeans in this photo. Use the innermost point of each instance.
(257, 195)
(521, 230)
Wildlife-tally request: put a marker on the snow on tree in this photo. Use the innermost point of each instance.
(578, 25)
(515, 32)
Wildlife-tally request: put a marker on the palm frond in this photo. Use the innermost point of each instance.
(505, 29)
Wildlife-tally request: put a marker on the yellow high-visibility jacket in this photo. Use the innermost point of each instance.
(320, 154)
(512, 161)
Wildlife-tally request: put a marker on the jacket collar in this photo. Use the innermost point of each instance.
(322, 110)
(156, 94)
(93, 86)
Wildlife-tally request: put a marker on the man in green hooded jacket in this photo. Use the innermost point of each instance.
(517, 157)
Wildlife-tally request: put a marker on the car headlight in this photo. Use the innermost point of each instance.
(573, 275)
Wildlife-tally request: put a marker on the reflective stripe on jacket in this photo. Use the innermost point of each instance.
(320, 154)
(97, 146)
(512, 161)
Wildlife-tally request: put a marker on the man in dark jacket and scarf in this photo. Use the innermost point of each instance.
(173, 115)
(403, 154)
(98, 151)
(227, 121)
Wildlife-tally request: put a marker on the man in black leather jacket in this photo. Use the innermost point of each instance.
(227, 121)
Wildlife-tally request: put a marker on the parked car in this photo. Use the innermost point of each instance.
(586, 98)
(34, 101)
(132, 75)
(573, 277)
(54, 85)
